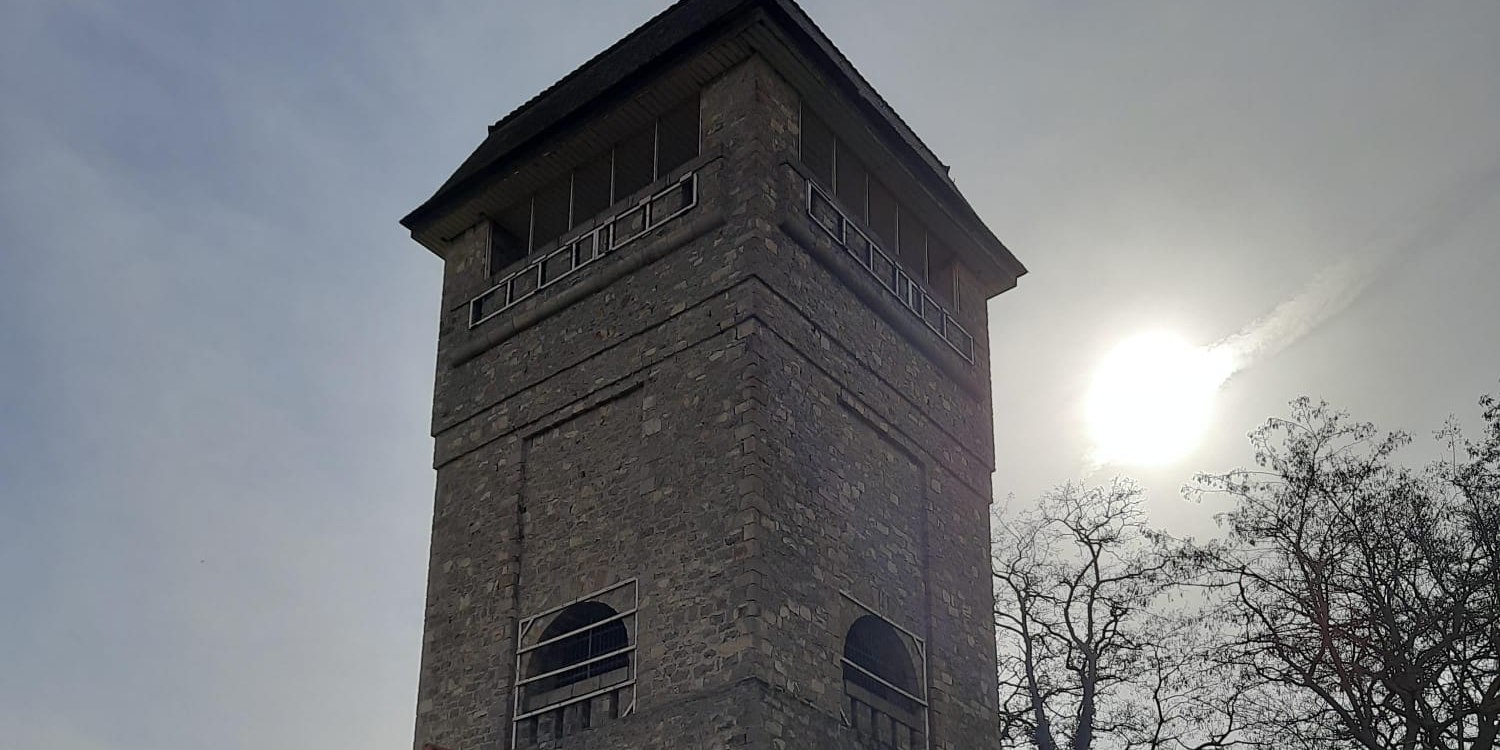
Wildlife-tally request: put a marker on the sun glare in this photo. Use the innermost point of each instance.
(1152, 398)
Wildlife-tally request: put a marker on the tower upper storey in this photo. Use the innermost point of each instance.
(626, 86)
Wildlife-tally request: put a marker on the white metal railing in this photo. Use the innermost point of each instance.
(888, 272)
(884, 682)
(882, 720)
(920, 737)
(612, 234)
(539, 644)
(563, 703)
(563, 707)
(630, 649)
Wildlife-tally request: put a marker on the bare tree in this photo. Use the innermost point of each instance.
(1367, 593)
(1093, 653)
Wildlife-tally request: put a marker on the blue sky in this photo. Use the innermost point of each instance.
(215, 481)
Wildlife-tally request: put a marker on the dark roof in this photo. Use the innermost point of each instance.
(641, 53)
(625, 59)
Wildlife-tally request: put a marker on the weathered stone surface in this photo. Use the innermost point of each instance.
(734, 428)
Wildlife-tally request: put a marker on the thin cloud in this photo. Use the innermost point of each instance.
(1338, 286)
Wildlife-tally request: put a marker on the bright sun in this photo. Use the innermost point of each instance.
(1152, 398)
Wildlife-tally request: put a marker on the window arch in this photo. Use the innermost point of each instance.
(873, 649)
(575, 666)
(883, 694)
(585, 640)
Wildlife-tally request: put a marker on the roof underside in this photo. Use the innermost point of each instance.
(652, 47)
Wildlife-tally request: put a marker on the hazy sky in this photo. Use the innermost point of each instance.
(215, 484)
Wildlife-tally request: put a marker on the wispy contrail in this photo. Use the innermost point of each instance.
(1329, 293)
(1339, 285)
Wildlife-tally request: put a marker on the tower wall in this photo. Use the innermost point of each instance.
(878, 471)
(601, 441)
(728, 416)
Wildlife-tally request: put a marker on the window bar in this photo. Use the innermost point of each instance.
(530, 221)
(576, 631)
(932, 313)
(888, 280)
(524, 626)
(866, 253)
(882, 681)
(927, 257)
(542, 280)
(605, 240)
(586, 597)
(578, 664)
(833, 177)
(896, 231)
(907, 289)
(535, 270)
(570, 701)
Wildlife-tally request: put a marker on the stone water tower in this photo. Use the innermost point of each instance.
(712, 413)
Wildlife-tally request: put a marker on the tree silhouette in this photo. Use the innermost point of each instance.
(1363, 593)
(1094, 650)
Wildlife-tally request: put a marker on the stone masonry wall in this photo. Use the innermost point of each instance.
(735, 429)
(608, 441)
(879, 478)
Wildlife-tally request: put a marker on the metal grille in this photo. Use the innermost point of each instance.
(584, 648)
(880, 728)
(651, 153)
(883, 700)
(839, 173)
(828, 216)
(612, 234)
(579, 668)
(876, 650)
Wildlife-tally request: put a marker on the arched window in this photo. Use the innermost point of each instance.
(882, 691)
(585, 640)
(575, 666)
(873, 649)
